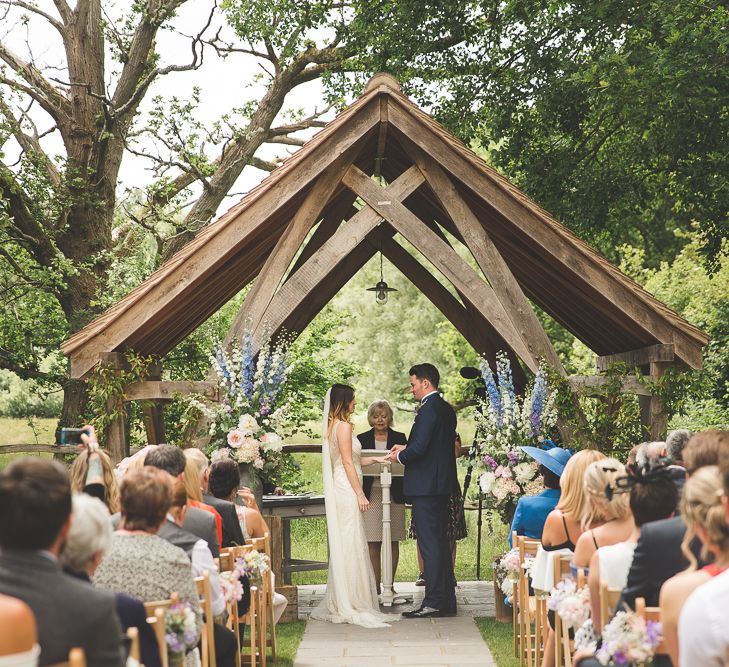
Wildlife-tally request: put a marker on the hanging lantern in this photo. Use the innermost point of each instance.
(381, 289)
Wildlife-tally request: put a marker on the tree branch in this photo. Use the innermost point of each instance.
(36, 10)
(289, 141)
(264, 165)
(64, 10)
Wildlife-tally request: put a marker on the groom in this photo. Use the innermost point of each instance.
(430, 479)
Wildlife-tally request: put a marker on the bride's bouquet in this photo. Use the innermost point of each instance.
(505, 423)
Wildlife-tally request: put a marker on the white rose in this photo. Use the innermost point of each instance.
(219, 455)
(271, 442)
(259, 463)
(247, 424)
(524, 472)
(486, 482)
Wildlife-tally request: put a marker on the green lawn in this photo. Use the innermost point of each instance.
(500, 640)
(288, 638)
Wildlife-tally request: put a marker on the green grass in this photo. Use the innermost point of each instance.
(500, 640)
(288, 638)
(23, 431)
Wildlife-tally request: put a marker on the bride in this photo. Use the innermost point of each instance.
(351, 596)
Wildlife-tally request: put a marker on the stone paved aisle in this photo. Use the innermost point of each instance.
(444, 642)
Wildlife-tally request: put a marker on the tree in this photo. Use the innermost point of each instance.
(611, 115)
(59, 240)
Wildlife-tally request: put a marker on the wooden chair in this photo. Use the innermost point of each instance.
(263, 545)
(562, 644)
(157, 621)
(207, 641)
(530, 641)
(76, 658)
(515, 604)
(255, 653)
(134, 650)
(609, 598)
(651, 614)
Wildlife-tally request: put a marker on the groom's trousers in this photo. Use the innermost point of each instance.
(430, 514)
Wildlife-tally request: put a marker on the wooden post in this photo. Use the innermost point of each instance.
(117, 441)
(153, 410)
(658, 414)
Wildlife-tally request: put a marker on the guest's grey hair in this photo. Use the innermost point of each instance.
(648, 453)
(675, 443)
(90, 532)
(376, 406)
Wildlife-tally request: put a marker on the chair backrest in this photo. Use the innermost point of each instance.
(609, 598)
(651, 614)
(150, 607)
(157, 620)
(562, 569)
(205, 593)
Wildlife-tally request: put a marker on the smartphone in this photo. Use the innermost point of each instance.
(72, 436)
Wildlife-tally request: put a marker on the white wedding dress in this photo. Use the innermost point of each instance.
(351, 595)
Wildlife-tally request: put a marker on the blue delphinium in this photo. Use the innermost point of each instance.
(247, 366)
(493, 392)
(539, 396)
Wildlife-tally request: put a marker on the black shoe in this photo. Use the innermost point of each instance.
(423, 612)
(420, 581)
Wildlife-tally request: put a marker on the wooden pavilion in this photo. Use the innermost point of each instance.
(380, 169)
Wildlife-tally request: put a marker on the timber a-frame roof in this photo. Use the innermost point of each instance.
(433, 183)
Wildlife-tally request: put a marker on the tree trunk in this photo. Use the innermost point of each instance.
(75, 399)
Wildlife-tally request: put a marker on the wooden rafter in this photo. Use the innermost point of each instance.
(642, 357)
(443, 257)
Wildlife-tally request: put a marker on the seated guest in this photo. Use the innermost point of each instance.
(652, 497)
(18, 648)
(615, 515)
(200, 521)
(703, 512)
(35, 509)
(86, 543)
(202, 561)
(532, 511)
(563, 526)
(649, 453)
(702, 628)
(92, 472)
(676, 442)
(231, 530)
(138, 561)
(223, 483)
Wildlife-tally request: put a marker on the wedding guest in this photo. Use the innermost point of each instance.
(614, 512)
(85, 546)
(676, 442)
(232, 533)
(223, 483)
(200, 522)
(532, 511)
(382, 436)
(35, 508)
(649, 453)
(652, 497)
(191, 481)
(92, 472)
(703, 513)
(138, 561)
(18, 648)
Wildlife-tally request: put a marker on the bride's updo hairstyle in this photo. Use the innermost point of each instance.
(340, 398)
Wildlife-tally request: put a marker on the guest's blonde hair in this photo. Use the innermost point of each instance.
(191, 479)
(573, 500)
(197, 455)
(380, 405)
(701, 506)
(80, 468)
(599, 476)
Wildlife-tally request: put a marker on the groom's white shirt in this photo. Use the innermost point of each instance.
(422, 400)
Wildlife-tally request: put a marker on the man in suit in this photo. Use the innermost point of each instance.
(430, 479)
(35, 516)
(198, 522)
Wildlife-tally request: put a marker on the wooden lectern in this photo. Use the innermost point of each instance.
(386, 471)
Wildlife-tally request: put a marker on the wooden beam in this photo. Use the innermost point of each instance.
(658, 412)
(166, 390)
(187, 269)
(153, 411)
(586, 384)
(494, 268)
(642, 357)
(442, 256)
(116, 436)
(273, 271)
(301, 284)
(382, 137)
(554, 244)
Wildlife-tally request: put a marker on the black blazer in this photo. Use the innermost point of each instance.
(367, 440)
(429, 458)
(232, 533)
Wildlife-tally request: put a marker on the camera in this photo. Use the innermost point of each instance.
(72, 436)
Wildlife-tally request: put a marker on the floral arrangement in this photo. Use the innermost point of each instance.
(570, 602)
(180, 627)
(253, 564)
(504, 423)
(629, 639)
(255, 412)
(507, 569)
(231, 587)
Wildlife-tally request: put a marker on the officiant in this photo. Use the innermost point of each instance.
(382, 436)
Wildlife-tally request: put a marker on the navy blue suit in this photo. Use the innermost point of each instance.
(430, 479)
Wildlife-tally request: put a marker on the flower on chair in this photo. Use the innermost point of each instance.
(180, 627)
